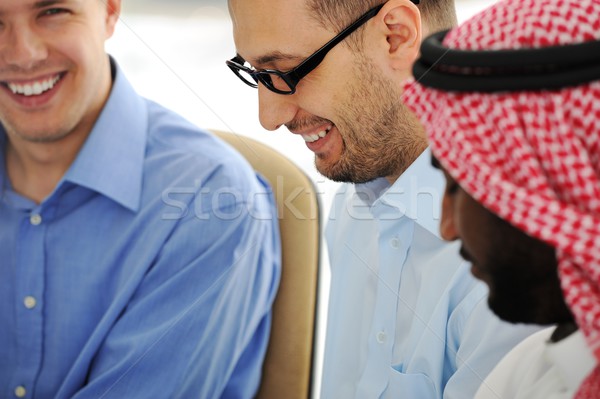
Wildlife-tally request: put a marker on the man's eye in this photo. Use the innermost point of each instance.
(54, 11)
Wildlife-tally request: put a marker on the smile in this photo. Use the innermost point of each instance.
(33, 88)
(311, 138)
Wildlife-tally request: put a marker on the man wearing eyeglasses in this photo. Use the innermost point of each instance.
(406, 318)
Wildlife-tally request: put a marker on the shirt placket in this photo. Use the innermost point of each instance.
(29, 289)
(394, 240)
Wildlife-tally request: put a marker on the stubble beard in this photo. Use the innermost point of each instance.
(381, 138)
(523, 277)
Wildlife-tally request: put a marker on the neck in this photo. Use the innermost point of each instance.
(411, 153)
(34, 169)
(562, 331)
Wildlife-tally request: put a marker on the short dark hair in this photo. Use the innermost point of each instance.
(437, 15)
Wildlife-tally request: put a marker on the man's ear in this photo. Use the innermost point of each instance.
(113, 10)
(400, 23)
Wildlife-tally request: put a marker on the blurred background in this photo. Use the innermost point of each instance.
(174, 53)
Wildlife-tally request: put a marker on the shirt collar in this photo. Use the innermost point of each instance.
(111, 160)
(572, 358)
(416, 194)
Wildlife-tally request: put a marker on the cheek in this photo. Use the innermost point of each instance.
(465, 219)
(317, 97)
(80, 48)
(477, 230)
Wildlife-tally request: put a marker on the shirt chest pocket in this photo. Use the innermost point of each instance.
(410, 386)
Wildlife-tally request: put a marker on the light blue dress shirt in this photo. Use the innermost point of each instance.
(406, 319)
(149, 272)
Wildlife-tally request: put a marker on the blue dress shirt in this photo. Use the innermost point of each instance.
(149, 272)
(406, 319)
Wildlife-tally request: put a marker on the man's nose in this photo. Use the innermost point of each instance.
(275, 109)
(22, 47)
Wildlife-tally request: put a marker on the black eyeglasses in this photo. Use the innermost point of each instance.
(285, 82)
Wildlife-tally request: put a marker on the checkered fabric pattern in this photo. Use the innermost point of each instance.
(533, 158)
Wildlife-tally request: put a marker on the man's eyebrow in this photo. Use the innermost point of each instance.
(435, 163)
(276, 56)
(46, 3)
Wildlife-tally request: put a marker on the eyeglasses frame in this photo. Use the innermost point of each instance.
(293, 76)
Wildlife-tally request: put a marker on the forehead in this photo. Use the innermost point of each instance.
(262, 27)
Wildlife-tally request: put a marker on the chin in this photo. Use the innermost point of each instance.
(43, 138)
(515, 308)
(510, 303)
(512, 315)
(332, 172)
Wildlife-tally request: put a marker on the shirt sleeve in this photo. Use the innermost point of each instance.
(198, 324)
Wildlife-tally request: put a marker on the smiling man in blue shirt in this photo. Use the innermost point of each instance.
(406, 319)
(139, 256)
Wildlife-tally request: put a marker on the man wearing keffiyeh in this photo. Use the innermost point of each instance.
(511, 106)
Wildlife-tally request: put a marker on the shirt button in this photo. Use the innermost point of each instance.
(381, 337)
(20, 391)
(29, 302)
(35, 219)
(395, 242)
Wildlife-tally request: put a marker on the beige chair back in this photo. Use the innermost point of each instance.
(287, 371)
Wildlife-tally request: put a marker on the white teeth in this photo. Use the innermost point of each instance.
(311, 138)
(33, 89)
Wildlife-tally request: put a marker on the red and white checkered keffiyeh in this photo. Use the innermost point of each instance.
(533, 158)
